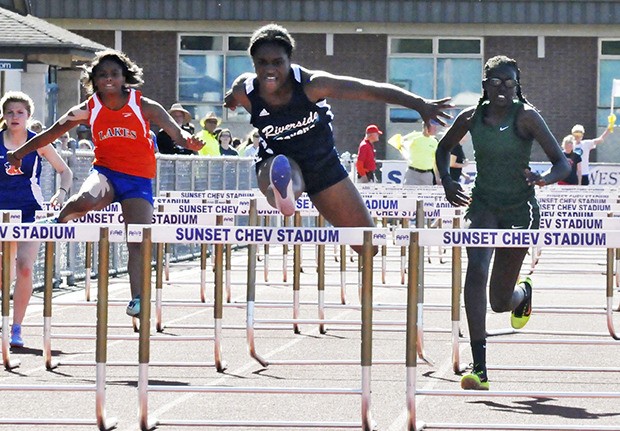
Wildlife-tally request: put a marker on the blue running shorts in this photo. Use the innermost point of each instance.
(127, 186)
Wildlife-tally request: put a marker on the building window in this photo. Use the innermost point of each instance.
(208, 65)
(435, 68)
(609, 65)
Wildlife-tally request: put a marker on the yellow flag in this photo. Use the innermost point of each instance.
(612, 121)
(403, 143)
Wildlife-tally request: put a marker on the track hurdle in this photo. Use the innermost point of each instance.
(254, 235)
(35, 232)
(491, 238)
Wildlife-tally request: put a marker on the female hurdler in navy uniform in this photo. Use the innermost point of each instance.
(288, 107)
(503, 126)
(20, 190)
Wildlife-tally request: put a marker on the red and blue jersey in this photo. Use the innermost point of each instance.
(122, 140)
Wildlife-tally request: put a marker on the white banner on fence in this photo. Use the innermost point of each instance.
(257, 235)
(510, 238)
(393, 172)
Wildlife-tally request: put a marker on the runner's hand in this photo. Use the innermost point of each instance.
(534, 178)
(454, 193)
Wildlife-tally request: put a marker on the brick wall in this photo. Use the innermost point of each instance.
(362, 56)
(155, 53)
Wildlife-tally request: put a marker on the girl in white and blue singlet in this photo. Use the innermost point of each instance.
(288, 106)
(20, 190)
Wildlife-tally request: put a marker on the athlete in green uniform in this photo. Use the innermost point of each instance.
(503, 126)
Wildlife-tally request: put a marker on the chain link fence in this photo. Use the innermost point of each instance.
(178, 173)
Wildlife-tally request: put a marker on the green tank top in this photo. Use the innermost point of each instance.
(501, 158)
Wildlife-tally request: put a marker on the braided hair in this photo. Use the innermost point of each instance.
(496, 62)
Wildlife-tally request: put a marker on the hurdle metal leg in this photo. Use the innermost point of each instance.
(159, 256)
(88, 264)
(457, 287)
(321, 278)
(251, 290)
(203, 272)
(8, 362)
(411, 362)
(145, 329)
(296, 276)
(343, 274)
(101, 351)
(266, 253)
(47, 306)
(228, 278)
(403, 253)
(285, 249)
(218, 306)
(383, 255)
(420, 265)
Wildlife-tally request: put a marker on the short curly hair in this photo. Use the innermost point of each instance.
(131, 71)
(272, 33)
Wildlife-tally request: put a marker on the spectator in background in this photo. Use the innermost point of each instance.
(574, 161)
(422, 158)
(583, 148)
(457, 162)
(83, 132)
(65, 142)
(84, 137)
(252, 144)
(366, 164)
(208, 135)
(236, 144)
(36, 126)
(182, 117)
(224, 139)
(85, 144)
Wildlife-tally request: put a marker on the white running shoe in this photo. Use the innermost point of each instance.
(282, 185)
(133, 308)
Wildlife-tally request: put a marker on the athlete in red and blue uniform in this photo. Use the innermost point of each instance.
(124, 163)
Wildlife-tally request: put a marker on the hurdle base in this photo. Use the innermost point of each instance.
(223, 366)
(11, 364)
(108, 424)
(52, 364)
(149, 425)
